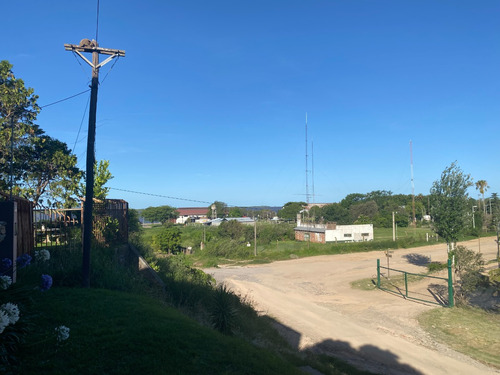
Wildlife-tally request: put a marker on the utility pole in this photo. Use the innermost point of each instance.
(255, 237)
(393, 227)
(91, 46)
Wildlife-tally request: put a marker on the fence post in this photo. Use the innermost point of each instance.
(451, 302)
(378, 273)
(406, 284)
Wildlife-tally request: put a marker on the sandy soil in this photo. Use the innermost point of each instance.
(374, 330)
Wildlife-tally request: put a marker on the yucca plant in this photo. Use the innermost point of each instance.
(223, 311)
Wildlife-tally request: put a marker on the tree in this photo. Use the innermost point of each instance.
(160, 214)
(220, 209)
(168, 240)
(482, 186)
(351, 199)
(134, 225)
(335, 212)
(366, 209)
(101, 177)
(234, 230)
(48, 172)
(42, 167)
(290, 210)
(450, 203)
(235, 212)
(468, 268)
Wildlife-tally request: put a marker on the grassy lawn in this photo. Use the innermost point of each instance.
(404, 232)
(121, 333)
(125, 325)
(473, 332)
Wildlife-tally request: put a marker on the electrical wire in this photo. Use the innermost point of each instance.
(81, 123)
(109, 71)
(161, 196)
(97, 22)
(62, 100)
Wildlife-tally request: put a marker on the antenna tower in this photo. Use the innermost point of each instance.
(312, 169)
(307, 170)
(412, 185)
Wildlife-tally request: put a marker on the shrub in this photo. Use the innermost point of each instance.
(468, 268)
(222, 310)
(436, 266)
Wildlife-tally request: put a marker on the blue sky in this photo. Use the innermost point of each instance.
(210, 101)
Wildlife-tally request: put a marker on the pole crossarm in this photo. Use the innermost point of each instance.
(104, 51)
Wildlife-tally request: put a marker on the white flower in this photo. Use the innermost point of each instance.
(42, 255)
(5, 282)
(62, 333)
(12, 312)
(4, 320)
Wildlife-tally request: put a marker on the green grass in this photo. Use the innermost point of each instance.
(122, 333)
(125, 325)
(404, 232)
(473, 332)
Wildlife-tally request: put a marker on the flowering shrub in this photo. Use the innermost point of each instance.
(12, 312)
(12, 334)
(42, 255)
(4, 320)
(5, 265)
(5, 282)
(23, 261)
(46, 283)
(62, 333)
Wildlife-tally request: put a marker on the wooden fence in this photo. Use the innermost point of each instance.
(25, 240)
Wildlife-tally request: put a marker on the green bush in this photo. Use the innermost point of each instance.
(436, 266)
(222, 309)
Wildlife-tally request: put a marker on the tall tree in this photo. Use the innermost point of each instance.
(42, 168)
(482, 186)
(449, 210)
(18, 110)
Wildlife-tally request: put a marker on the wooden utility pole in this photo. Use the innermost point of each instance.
(91, 46)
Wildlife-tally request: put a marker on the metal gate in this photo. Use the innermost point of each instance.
(399, 285)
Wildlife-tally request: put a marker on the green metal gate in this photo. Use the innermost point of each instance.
(404, 281)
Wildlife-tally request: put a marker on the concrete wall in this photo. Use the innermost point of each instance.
(350, 233)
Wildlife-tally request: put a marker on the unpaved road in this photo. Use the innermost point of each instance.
(374, 330)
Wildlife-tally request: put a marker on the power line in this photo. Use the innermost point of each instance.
(160, 195)
(62, 100)
(97, 22)
(81, 123)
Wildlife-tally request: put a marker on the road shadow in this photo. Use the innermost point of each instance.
(335, 354)
(417, 259)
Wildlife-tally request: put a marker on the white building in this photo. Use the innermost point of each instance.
(322, 233)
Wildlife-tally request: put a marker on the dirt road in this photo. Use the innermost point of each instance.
(374, 330)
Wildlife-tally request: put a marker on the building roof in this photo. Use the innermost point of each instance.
(310, 229)
(192, 211)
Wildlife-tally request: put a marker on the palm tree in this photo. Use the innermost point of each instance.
(482, 186)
